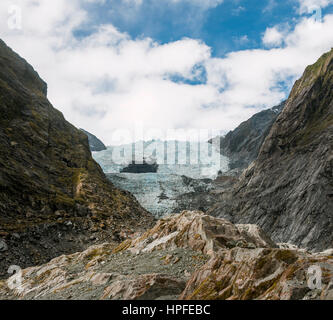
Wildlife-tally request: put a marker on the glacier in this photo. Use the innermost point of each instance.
(177, 160)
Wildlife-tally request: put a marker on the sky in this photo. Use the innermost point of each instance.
(130, 69)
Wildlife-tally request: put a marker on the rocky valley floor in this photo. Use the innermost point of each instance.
(185, 256)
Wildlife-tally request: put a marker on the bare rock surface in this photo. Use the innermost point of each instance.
(186, 256)
(103, 273)
(198, 231)
(261, 274)
(54, 198)
(243, 144)
(287, 191)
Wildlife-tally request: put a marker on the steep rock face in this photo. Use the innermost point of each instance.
(94, 143)
(288, 191)
(242, 147)
(50, 187)
(243, 144)
(187, 256)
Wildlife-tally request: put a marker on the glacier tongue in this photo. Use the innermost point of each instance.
(158, 192)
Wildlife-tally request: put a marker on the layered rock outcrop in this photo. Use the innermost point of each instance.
(261, 274)
(186, 256)
(288, 189)
(199, 232)
(54, 198)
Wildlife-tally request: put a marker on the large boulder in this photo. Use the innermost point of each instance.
(198, 231)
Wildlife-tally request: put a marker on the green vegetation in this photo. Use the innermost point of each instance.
(62, 199)
(312, 73)
(123, 246)
(306, 136)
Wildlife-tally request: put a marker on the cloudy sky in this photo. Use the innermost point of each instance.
(166, 64)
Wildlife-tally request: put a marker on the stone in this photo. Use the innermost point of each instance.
(146, 287)
(49, 173)
(255, 236)
(230, 272)
(3, 246)
(197, 231)
(243, 144)
(261, 274)
(287, 189)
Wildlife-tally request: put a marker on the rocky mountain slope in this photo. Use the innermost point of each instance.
(243, 144)
(186, 256)
(204, 193)
(54, 198)
(94, 143)
(288, 190)
(241, 147)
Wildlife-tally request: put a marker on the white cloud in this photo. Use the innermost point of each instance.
(253, 76)
(273, 37)
(109, 81)
(308, 6)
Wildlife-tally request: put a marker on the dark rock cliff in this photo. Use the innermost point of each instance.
(288, 190)
(94, 143)
(243, 144)
(54, 198)
(242, 147)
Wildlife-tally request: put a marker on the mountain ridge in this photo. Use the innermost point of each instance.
(95, 144)
(243, 144)
(54, 198)
(288, 189)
